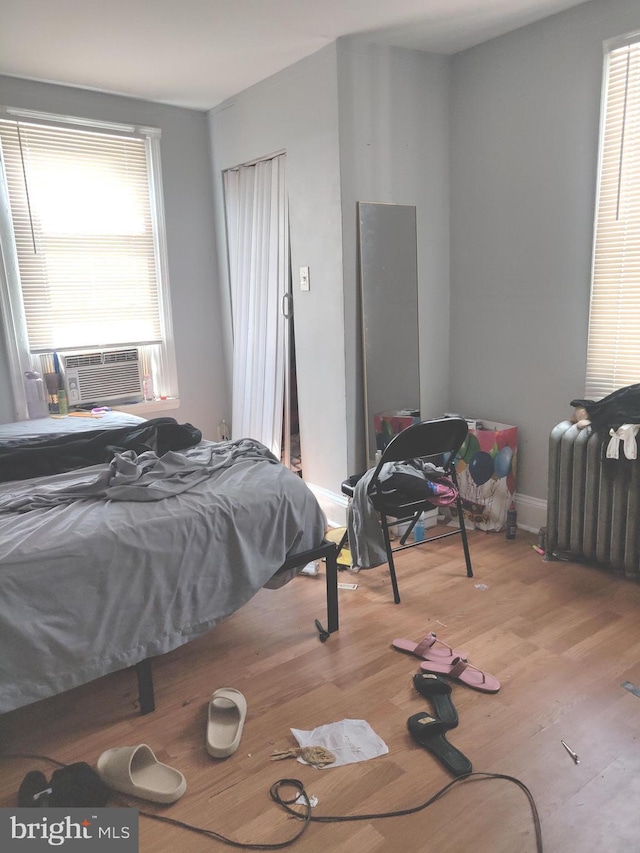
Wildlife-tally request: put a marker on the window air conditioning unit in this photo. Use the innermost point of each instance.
(102, 376)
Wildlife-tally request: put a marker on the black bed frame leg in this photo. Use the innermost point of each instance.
(145, 686)
(331, 566)
(328, 552)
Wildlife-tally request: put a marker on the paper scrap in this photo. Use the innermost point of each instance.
(349, 740)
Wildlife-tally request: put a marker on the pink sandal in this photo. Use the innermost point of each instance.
(462, 671)
(429, 648)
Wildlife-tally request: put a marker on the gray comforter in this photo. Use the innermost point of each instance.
(92, 585)
(144, 477)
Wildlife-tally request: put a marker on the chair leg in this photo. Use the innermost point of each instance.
(392, 568)
(463, 529)
(465, 542)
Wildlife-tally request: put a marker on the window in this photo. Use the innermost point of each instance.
(81, 231)
(613, 359)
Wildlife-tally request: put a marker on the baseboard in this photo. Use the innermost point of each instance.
(532, 512)
(334, 505)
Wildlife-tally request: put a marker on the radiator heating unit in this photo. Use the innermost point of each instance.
(592, 501)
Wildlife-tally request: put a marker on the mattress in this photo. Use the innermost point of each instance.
(95, 585)
(65, 424)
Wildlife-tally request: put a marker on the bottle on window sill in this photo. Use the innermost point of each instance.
(147, 388)
(63, 404)
(36, 395)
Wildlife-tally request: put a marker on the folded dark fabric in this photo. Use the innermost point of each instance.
(34, 790)
(74, 786)
(439, 491)
(619, 407)
(45, 455)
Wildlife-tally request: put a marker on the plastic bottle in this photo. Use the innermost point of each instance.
(63, 405)
(418, 530)
(512, 519)
(36, 395)
(542, 538)
(147, 388)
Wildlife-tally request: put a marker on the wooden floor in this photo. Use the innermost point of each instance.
(561, 637)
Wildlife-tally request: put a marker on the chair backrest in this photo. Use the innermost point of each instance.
(428, 438)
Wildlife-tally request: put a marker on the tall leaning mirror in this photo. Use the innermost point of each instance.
(389, 307)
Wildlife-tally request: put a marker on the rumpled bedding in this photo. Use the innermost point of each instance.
(93, 585)
(147, 477)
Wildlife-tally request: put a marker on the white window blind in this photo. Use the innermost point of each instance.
(613, 359)
(82, 219)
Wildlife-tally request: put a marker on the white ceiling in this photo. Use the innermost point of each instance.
(197, 53)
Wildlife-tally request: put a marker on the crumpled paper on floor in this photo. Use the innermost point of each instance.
(349, 740)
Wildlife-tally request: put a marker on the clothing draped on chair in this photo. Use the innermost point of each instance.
(258, 244)
(416, 472)
(366, 538)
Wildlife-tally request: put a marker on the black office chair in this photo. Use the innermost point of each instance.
(436, 441)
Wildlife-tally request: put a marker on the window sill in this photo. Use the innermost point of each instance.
(149, 406)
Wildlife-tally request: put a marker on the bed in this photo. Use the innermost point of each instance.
(93, 583)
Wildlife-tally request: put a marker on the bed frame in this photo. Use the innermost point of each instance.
(40, 444)
(327, 551)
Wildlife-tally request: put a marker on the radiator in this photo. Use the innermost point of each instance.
(592, 502)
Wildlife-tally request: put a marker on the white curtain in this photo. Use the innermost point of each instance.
(258, 244)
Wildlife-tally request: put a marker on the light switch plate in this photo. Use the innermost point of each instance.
(304, 278)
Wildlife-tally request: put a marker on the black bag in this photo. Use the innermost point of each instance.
(619, 407)
(74, 786)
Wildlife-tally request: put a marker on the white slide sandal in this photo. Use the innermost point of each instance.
(226, 716)
(135, 770)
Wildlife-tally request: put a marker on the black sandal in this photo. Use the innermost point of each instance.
(438, 692)
(430, 733)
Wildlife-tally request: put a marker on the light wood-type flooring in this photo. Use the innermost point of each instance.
(561, 637)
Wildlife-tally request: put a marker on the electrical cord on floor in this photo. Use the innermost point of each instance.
(287, 803)
(277, 797)
(35, 757)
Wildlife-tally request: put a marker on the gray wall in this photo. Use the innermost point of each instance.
(394, 148)
(190, 237)
(296, 111)
(497, 147)
(525, 120)
(503, 136)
